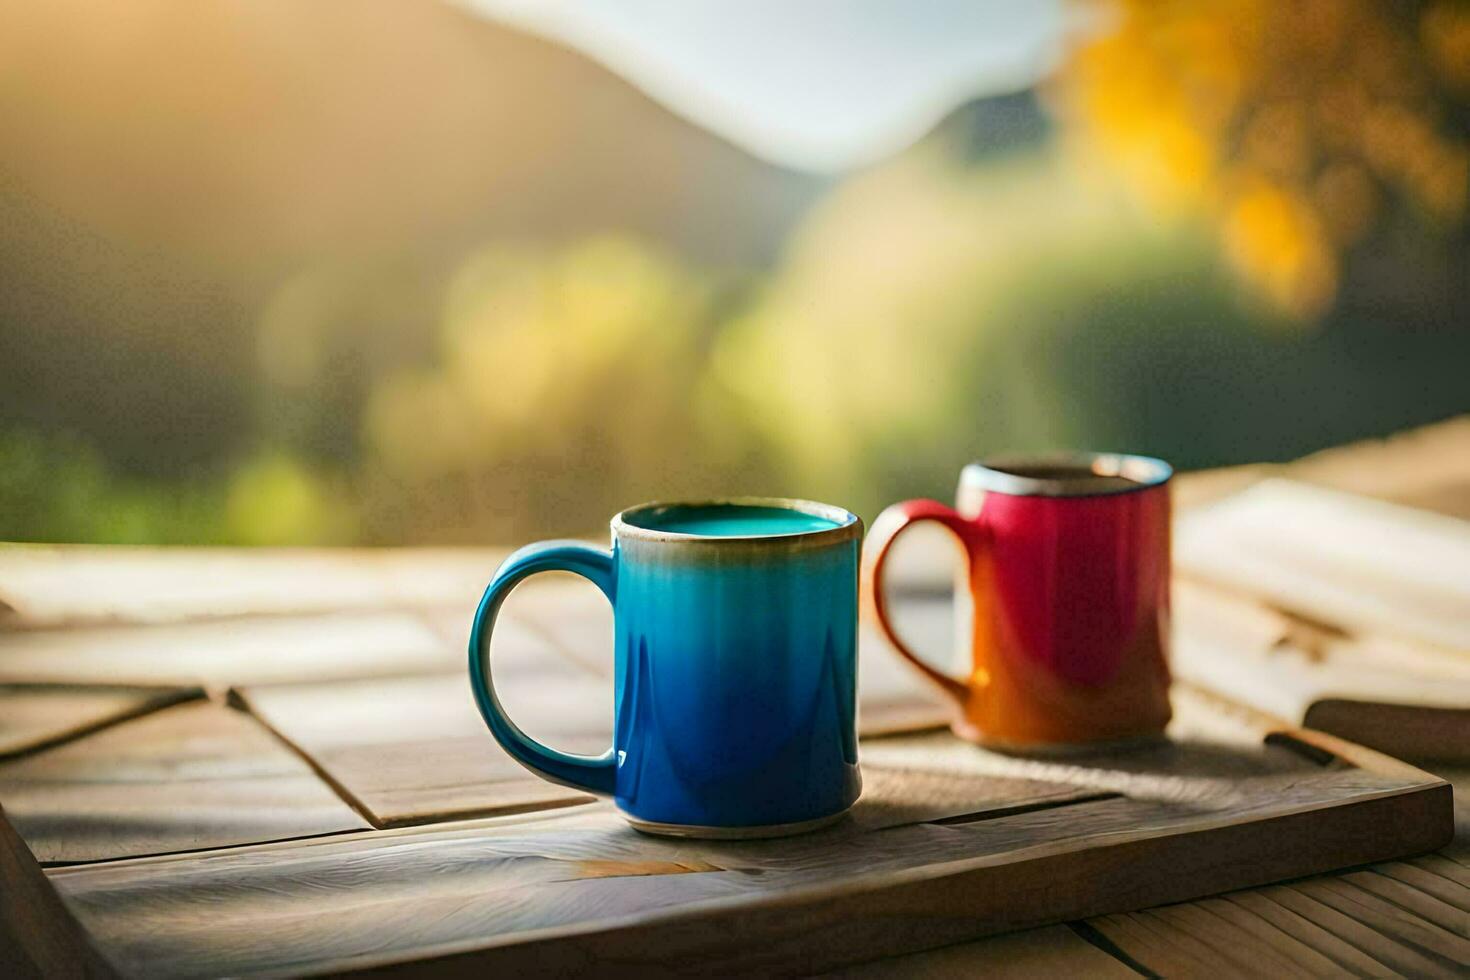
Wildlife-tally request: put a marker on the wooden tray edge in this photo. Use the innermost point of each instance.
(828, 926)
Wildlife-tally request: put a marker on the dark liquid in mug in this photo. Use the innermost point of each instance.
(1086, 480)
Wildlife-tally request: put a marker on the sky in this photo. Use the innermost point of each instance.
(818, 85)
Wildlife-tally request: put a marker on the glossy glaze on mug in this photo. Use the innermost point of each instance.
(1068, 579)
(735, 670)
(736, 692)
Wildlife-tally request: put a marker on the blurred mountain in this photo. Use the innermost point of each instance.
(983, 130)
(165, 165)
(827, 86)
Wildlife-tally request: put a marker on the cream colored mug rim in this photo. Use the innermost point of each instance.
(995, 474)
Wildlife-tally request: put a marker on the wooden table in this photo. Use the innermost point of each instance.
(164, 702)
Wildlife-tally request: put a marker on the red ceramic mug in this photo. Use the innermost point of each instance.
(1069, 584)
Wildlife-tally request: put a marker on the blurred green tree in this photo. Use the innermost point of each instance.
(567, 384)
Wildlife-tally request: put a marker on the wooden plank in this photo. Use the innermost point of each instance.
(218, 654)
(1252, 931)
(1452, 862)
(192, 776)
(1389, 918)
(1203, 717)
(1052, 951)
(591, 844)
(1391, 695)
(1428, 467)
(1448, 864)
(1208, 756)
(892, 697)
(518, 643)
(1428, 881)
(1424, 905)
(1343, 954)
(1201, 487)
(1147, 947)
(38, 716)
(573, 614)
(1368, 637)
(1337, 558)
(686, 918)
(66, 585)
(1425, 468)
(1422, 732)
(1173, 943)
(452, 578)
(414, 749)
(38, 936)
(1393, 954)
(576, 887)
(938, 906)
(902, 797)
(1230, 941)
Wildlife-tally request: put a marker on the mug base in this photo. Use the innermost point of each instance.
(1058, 749)
(733, 833)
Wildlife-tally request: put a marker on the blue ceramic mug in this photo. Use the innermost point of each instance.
(736, 666)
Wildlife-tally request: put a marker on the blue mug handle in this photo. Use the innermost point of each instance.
(593, 774)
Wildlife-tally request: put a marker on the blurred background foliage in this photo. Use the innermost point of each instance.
(454, 284)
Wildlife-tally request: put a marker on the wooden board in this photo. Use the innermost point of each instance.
(1427, 468)
(950, 843)
(220, 653)
(412, 750)
(1363, 565)
(1347, 612)
(34, 717)
(892, 697)
(1367, 923)
(570, 612)
(72, 585)
(1398, 697)
(38, 937)
(520, 640)
(1051, 951)
(191, 776)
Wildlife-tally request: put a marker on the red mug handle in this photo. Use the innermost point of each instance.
(886, 530)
